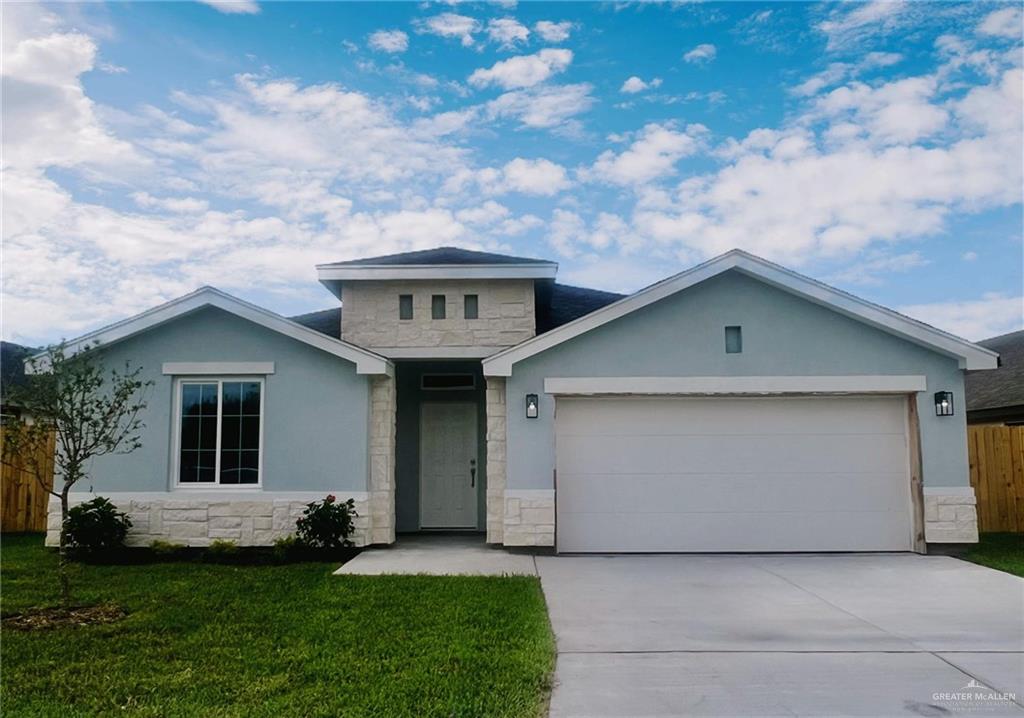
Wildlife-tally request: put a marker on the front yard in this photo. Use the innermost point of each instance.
(1002, 551)
(203, 639)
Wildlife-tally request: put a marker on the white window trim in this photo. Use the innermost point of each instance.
(215, 368)
(176, 482)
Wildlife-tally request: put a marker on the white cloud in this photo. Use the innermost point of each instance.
(538, 177)
(652, 155)
(450, 25)
(976, 319)
(186, 205)
(634, 85)
(870, 271)
(553, 31)
(705, 52)
(839, 71)
(895, 112)
(850, 22)
(234, 7)
(1002, 23)
(543, 106)
(507, 31)
(389, 41)
(969, 256)
(523, 70)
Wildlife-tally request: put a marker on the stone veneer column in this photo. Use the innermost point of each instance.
(497, 420)
(382, 459)
(950, 515)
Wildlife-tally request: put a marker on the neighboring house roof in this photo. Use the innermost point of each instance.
(438, 255)
(1002, 387)
(366, 361)
(567, 303)
(326, 321)
(970, 356)
(12, 366)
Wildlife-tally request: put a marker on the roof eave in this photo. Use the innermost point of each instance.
(968, 355)
(366, 362)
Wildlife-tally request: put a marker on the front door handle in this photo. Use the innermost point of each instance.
(472, 473)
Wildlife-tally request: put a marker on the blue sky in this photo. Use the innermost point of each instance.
(151, 148)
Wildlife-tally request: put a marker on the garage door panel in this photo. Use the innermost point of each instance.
(723, 493)
(812, 453)
(732, 474)
(776, 415)
(604, 532)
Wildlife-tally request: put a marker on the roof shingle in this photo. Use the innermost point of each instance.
(438, 255)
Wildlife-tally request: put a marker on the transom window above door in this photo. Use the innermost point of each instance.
(220, 427)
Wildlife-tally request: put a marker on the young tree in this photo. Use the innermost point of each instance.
(89, 410)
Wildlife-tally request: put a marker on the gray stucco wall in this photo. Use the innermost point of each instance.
(783, 335)
(316, 407)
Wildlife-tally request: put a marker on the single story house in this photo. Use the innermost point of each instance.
(997, 397)
(735, 406)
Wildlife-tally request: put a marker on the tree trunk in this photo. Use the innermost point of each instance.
(62, 563)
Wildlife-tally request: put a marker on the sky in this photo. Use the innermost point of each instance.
(152, 148)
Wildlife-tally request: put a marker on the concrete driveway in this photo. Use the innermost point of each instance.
(866, 635)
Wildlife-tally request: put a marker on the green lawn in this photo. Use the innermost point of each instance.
(215, 640)
(1002, 551)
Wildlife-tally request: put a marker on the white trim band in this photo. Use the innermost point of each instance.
(948, 490)
(436, 352)
(223, 368)
(860, 384)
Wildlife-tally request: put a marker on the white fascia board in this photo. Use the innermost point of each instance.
(366, 362)
(474, 352)
(217, 368)
(329, 273)
(970, 356)
(710, 385)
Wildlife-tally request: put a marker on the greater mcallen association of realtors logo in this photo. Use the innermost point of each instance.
(974, 696)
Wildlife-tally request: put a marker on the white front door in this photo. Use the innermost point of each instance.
(449, 474)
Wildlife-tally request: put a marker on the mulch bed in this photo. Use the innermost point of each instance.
(42, 619)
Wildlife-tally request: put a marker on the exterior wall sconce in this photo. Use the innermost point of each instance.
(943, 403)
(532, 406)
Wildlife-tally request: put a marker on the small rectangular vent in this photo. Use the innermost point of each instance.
(733, 340)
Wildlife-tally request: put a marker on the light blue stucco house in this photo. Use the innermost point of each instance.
(736, 406)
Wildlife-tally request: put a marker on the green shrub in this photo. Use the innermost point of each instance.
(96, 526)
(326, 524)
(223, 547)
(166, 548)
(286, 547)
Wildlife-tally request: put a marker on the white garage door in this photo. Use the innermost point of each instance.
(732, 474)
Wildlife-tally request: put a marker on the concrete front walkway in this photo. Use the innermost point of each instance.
(439, 555)
(866, 635)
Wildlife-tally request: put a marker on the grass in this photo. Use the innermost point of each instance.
(292, 640)
(1002, 551)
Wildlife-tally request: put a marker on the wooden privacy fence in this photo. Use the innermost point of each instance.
(23, 501)
(997, 474)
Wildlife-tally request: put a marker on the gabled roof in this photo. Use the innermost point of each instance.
(970, 356)
(1002, 387)
(437, 255)
(439, 263)
(366, 361)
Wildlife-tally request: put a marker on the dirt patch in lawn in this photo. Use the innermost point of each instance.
(43, 619)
